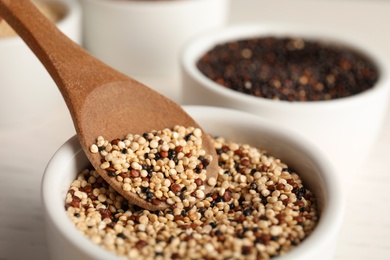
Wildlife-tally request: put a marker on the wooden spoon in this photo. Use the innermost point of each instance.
(101, 100)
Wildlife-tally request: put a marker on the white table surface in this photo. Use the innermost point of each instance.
(26, 148)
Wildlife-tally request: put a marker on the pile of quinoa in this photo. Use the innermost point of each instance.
(168, 165)
(259, 209)
(287, 68)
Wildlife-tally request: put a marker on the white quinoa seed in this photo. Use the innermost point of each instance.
(212, 181)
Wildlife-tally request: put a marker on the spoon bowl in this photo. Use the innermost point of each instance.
(101, 100)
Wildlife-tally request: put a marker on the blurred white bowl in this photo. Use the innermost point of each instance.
(143, 38)
(66, 242)
(346, 129)
(27, 92)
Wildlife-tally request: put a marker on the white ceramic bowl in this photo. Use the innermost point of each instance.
(346, 129)
(27, 92)
(143, 38)
(66, 242)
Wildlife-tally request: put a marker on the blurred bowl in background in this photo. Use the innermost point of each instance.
(27, 92)
(345, 128)
(143, 38)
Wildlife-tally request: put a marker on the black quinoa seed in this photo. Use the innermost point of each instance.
(227, 172)
(240, 235)
(218, 232)
(168, 211)
(149, 194)
(205, 162)
(121, 235)
(111, 174)
(170, 239)
(213, 225)
(171, 154)
(253, 186)
(247, 212)
(219, 199)
(202, 210)
(187, 137)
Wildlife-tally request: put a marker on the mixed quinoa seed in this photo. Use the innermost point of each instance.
(258, 209)
(287, 68)
(168, 165)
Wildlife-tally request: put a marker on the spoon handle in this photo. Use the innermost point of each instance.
(75, 72)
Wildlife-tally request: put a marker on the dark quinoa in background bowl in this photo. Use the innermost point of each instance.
(288, 68)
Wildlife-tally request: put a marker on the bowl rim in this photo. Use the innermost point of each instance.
(201, 43)
(55, 214)
(327, 228)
